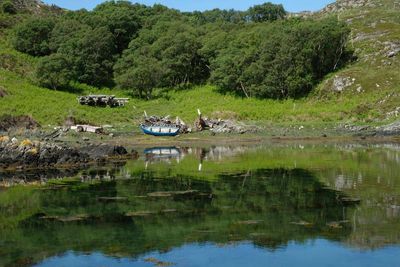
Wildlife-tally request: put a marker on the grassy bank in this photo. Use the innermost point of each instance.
(371, 97)
(52, 107)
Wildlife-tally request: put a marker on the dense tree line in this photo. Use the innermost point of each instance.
(253, 53)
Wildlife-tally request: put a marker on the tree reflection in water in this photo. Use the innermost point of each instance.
(135, 216)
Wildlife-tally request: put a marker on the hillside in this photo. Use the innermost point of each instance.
(366, 91)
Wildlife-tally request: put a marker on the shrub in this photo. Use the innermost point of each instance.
(8, 7)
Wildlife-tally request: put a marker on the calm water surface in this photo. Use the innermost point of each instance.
(266, 205)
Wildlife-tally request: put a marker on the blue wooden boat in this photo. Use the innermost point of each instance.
(156, 130)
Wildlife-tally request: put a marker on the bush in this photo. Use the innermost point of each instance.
(54, 72)
(8, 7)
(33, 36)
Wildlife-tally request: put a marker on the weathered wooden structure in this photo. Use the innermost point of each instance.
(102, 101)
(87, 128)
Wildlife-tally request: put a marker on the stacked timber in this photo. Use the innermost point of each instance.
(102, 101)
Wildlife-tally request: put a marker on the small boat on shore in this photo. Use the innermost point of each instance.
(156, 130)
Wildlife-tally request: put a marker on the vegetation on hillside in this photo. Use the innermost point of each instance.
(365, 91)
(139, 48)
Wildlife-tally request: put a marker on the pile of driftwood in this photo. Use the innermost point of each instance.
(167, 121)
(222, 126)
(201, 124)
(102, 101)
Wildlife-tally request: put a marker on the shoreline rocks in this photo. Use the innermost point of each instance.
(15, 154)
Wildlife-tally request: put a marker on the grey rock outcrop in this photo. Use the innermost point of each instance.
(391, 129)
(341, 83)
(391, 48)
(44, 155)
(342, 5)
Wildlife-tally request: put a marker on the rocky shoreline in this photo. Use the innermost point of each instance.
(42, 155)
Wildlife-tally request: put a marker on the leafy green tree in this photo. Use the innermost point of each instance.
(54, 72)
(266, 12)
(218, 15)
(142, 77)
(33, 36)
(171, 48)
(120, 17)
(91, 54)
(288, 63)
(66, 30)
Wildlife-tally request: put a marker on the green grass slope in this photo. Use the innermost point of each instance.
(370, 94)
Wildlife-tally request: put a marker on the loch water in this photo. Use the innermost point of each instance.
(276, 204)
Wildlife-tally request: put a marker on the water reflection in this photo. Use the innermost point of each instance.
(270, 198)
(41, 177)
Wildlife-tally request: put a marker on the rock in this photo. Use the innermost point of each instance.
(391, 129)
(42, 155)
(342, 5)
(97, 152)
(341, 83)
(394, 113)
(4, 139)
(391, 48)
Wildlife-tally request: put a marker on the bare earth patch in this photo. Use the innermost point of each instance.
(23, 121)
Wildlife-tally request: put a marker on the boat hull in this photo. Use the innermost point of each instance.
(160, 130)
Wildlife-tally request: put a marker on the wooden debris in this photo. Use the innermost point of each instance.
(222, 126)
(87, 128)
(102, 101)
